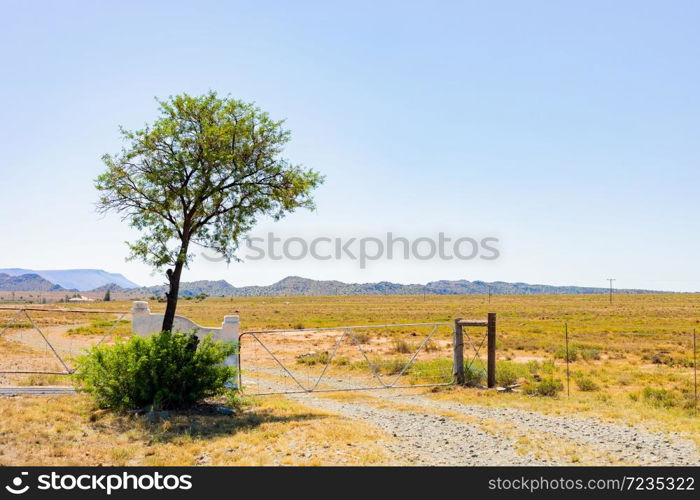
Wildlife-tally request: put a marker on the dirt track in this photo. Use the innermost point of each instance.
(430, 432)
(36, 354)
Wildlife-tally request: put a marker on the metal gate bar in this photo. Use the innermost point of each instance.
(346, 331)
(24, 310)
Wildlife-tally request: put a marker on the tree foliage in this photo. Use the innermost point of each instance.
(202, 174)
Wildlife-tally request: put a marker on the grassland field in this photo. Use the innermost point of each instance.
(630, 361)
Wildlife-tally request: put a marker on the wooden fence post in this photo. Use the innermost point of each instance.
(458, 353)
(491, 346)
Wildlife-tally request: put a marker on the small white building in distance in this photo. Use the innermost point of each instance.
(80, 299)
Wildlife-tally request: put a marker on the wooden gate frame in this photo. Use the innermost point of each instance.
(458, 346)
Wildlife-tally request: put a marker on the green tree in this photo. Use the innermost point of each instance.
(108, 296)
(201, 174)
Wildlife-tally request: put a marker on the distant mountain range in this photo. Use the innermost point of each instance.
(82, 280)
(294, 285)
(97, 281)
(27, 283)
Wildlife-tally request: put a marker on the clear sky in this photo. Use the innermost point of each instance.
(569, 130)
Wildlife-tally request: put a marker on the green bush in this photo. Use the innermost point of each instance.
(576, 351)
(586, 384)
(431, 346)
(474, 375)
(687, 396)
(560, 353)
(402, 347)
(164, 371)
(313, 358)
(660, 398)
(438, 370)
(101, 327)
(546, 387)
(235, 401)
(548, 366)
(590, 353)
(508, 373)
(362, 337)
(383, 366)
(686, 363)
(342, 361)
(392, 366)
(533, 367)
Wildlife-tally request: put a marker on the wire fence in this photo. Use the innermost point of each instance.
(346, 358)
(653, 366)
(40, 345)
(656, 367)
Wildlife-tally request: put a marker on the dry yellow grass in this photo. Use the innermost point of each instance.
(631, 322)
(638, 342)
(68, 430)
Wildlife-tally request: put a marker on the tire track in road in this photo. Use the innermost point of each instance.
(563, 438)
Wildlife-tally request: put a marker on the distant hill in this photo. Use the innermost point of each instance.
(97, 281)
(77, 279)
(294, 285)
(27, 283)
(111, 287)
(192, 288)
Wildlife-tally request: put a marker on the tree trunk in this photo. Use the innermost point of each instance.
(172, 295)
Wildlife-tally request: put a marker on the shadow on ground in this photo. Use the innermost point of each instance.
(203, 425)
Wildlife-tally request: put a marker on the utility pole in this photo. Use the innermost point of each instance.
(695, 374)
(489, 293)
(566, 337)
(611, 288)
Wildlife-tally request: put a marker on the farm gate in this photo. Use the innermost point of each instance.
(38, 345)
(359, 358)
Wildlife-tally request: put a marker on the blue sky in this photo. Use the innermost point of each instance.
(569, 130)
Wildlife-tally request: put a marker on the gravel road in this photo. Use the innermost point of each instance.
(447, 433)
(622, 443)
(428, 439)
(44, 390)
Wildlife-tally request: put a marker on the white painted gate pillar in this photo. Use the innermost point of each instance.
(145, 323)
